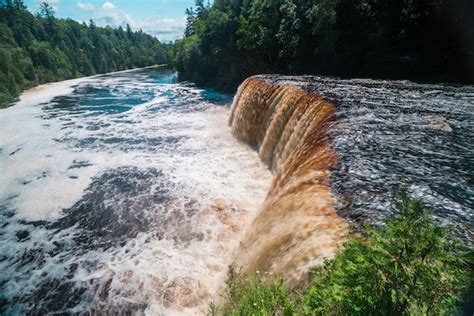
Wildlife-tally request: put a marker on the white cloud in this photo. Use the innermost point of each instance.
(108, 6)
(109, 14)
(163, 28)
(85, 6)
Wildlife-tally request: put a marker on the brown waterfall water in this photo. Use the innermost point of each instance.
(297, 227)
(340, 150)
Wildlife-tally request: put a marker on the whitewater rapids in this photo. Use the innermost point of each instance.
(121, 193)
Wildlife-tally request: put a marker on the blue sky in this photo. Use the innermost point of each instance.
(164, 19)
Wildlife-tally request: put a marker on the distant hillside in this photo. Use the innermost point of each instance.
(40, 48)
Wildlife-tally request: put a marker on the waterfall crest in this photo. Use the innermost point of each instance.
(297, 226)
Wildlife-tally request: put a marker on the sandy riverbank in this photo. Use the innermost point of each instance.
(45, 92)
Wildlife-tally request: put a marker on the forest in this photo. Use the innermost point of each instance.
(40, 48)
(429, 41)
(224, 43)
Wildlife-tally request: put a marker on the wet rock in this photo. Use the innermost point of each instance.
(22, 235)
(439, 122)
(15, 151)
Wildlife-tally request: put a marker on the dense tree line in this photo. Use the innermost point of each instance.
(428, 40)
(41, 48)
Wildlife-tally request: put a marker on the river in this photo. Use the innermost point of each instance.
(128, 193)
(123, 192)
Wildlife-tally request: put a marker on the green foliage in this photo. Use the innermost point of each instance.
(410, 39)
(288, 34)
(256, 296)
(409, 267)
(39, 49)
(187, 50)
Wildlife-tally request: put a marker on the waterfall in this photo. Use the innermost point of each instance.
(297, 226)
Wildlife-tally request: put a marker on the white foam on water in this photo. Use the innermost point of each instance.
(29, 152)
(216, 185)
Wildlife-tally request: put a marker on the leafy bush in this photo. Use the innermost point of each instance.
(257, 296)
(410, 267)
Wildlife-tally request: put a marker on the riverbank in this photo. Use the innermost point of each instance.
(43, 92)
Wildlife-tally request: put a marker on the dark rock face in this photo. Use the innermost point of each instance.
(394, 134)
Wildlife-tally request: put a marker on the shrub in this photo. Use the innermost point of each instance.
(256, 295)
(408, 267)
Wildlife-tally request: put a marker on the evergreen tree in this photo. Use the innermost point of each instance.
(46, 11)
(430, 40)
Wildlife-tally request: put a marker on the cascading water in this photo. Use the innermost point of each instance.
(297, 226)
(126, 193)
(361, 140)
